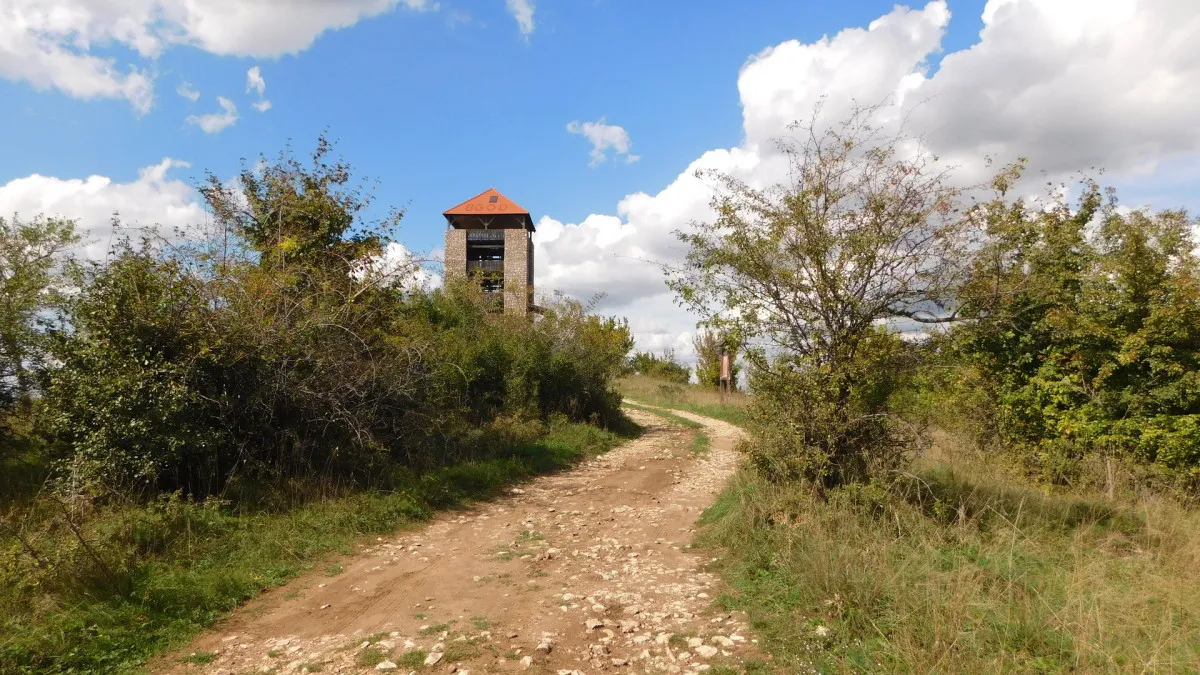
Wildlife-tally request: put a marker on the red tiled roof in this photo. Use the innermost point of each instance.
(487, 202)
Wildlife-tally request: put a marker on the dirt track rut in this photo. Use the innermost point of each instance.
(585, 571)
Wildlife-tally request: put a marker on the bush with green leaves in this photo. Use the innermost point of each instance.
(803, 274)
(663, 367)
(1083, 324)
(33, 255)
(832, 425)
(709, 345)
(280, 347)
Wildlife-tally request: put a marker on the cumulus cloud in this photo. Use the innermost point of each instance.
(49, 63)
(1070, 84)
(255, 81)
(522, 12)
(153, 198)
(50, 45)
(604, 137)
(213, 123)
(400, 268)
(187, 91)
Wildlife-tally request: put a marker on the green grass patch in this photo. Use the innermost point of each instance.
(413, 659)
(461, 650)
(692, 398)
(156, 575)
(530, 535)
(369, 657)
(953, 570)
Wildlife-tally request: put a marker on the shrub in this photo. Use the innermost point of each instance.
(831, 426)
(1084, 330)
(262, 354)
(863, 233)
(663, 367)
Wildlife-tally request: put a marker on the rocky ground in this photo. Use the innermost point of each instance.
(586, 571)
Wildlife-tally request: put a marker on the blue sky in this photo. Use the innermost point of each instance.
(438, 108)
(439, 100)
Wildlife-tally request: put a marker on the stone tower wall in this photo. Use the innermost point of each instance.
(517, 263)
(456, 253)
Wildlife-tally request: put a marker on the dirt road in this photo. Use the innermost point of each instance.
(584, 571)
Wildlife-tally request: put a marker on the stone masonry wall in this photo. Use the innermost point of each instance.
(516, 271)
(456, 253)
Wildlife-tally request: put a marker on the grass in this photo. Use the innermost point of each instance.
(958, 568)
(692, 398)
(530, 535)
(412, 659)
(370, 657)
(163, 572)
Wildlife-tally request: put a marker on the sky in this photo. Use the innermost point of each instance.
(592, 114)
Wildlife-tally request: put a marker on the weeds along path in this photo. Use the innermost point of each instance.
(584, 571)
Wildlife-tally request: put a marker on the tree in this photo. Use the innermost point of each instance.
(276, 349)
(1083, 325)
(867, 231)
(708, 345)
(31, 253)
(306, 221)
(663, 367)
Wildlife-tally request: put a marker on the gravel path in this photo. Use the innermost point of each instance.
(585, 571)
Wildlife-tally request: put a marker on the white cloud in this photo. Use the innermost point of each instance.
(187, 91)
(604, 137)
(153, 198)
(400, 268)
(522, 11)
(1071, 84)
(29, 55)
(213, 123)
(50, 46)
(255, 81)
(458, 17)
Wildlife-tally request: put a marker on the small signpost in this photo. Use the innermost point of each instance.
(726, 371)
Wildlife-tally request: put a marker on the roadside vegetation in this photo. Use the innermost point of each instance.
(960, 566)
(204, 414)
(1014, 492)
(699, 399)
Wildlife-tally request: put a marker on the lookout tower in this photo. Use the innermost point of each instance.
(490, 238)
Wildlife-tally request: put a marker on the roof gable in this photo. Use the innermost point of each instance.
(489, 201)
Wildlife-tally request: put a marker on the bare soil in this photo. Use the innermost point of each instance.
(586, 571)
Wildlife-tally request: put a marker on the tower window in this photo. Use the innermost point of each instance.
(493, 199)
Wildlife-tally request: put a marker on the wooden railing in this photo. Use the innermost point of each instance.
(485, 265)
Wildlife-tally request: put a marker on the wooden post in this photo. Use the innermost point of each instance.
(726, 371)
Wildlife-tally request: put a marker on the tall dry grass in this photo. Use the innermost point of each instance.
(693, 398)
(958, 567)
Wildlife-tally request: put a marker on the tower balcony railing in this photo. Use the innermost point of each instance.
(485, 266)
(485, 235)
